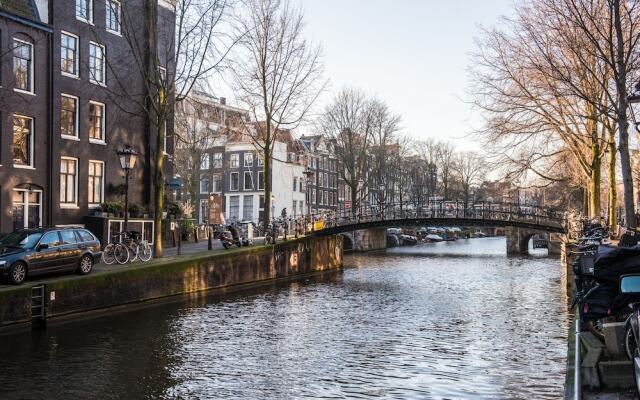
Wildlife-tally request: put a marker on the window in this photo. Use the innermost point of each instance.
(22, 147)
(96, 122)
(204, 161)
(234, 207)
(96, 63)
(217, 160)
(68, 236)
(23, 65)
(235, 181)
(85, 235)
(204, 185)
(313, 196)
(113, 16)
(294, 209)
(235, 160)
(248, 180)
(68, 181)
(301, 206)
(96, 182)
(27, 208)
(295, 183)
(260, 161)
(248, 159)
(217, 183)
(301, 187)
(260, 180)
(69, 54)
(69, 116)
(51, 239)
(84, 10)
(247, 208)
(203, 214)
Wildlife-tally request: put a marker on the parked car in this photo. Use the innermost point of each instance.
(29, 252)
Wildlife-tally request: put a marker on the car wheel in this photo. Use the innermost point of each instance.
(18, 273)
(85, 265)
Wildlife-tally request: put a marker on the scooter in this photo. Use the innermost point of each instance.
(230, 237)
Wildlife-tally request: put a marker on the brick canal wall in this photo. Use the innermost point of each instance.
(174, 276)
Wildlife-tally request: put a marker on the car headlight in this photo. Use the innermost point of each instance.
(3, 263)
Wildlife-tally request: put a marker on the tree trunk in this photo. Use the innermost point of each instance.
(623, 124)
(159, 182)
(354, 202)
(594, 188)
(267, 179)
(613, 182)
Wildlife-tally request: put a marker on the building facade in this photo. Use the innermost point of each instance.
(322, 163)
(63, 113)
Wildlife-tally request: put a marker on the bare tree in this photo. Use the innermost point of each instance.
(278, 74)
(471, 169)
(446, 160)
(169, 62)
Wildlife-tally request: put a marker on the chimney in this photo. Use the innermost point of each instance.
(223, 101)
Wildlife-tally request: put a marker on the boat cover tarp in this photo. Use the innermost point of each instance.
(612, 262)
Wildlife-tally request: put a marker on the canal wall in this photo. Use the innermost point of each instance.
(253, 266)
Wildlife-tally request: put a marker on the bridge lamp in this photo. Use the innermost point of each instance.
(634, 106)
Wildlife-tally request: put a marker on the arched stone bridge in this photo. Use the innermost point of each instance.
(521, 222)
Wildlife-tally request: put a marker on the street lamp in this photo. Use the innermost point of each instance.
(634, 98)
(128, 158)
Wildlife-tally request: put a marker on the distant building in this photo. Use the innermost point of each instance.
(323, 165)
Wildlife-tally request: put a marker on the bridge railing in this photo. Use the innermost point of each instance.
(459, 210)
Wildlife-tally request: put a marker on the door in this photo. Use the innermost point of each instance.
(69, 248)
(46, 260)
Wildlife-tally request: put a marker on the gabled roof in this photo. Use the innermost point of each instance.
(21, 8)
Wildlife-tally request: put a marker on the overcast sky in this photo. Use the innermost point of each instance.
(414, 54)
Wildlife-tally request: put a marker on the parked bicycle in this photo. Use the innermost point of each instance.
(127, 247)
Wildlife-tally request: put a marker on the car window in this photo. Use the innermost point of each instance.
(51, 238)
(85, 235)
(68, 237)
(20, 239)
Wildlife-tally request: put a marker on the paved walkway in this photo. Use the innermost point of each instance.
(186, 249)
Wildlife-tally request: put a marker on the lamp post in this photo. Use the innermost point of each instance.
(128, 158)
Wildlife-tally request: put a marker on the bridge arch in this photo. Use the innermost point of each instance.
(348, 243)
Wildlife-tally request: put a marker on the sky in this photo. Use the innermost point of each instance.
(413, 54)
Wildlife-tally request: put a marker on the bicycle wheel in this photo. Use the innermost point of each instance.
(108, 254)
(121, 253)
(134, 248)
(145, 252)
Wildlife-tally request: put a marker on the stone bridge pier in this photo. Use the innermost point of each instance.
(368, 239)
(518, 240)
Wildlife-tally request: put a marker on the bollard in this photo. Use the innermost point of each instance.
(209, 244)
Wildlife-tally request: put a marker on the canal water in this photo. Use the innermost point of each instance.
(436, 321)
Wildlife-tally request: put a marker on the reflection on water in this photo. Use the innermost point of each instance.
(408, 323)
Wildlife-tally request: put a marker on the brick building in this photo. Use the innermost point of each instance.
(62, 110)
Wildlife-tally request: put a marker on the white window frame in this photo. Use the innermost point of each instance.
(244, 181)
(204, 162)
(106, 17)
(31, 142)
(231, 189)
(77, 119)
(96, 205)
(234, 158)
(213, 183)
(26, 205)
(260, 183)
(217, 164)
(32, 89)
(89, 12)
(75, 203)
(103, 81)
(103, 128)
(203, 218)
(248, 159)
(76, 75)
(208, 189)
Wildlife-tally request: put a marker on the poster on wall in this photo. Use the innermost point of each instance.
(216, 215)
